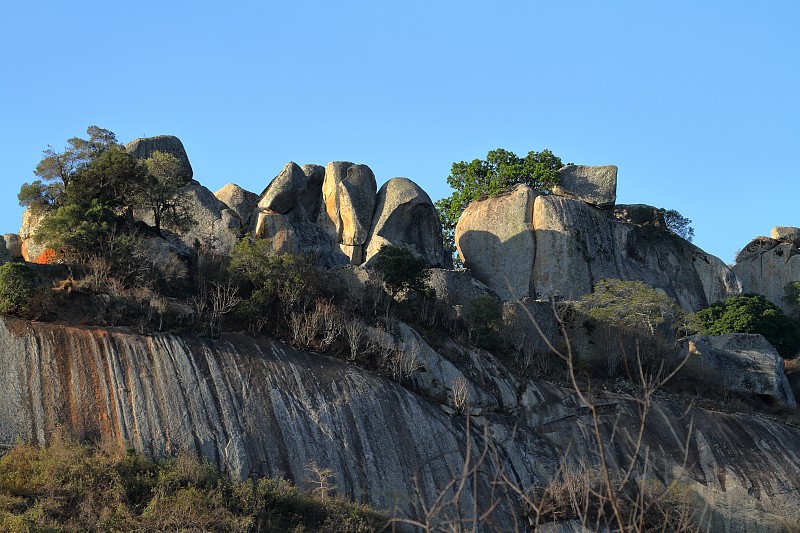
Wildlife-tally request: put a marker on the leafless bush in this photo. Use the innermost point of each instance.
(405, 361)
(98, 273)
(223, 299)
(355, 334)
(460, 390)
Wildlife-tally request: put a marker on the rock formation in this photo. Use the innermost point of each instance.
(496, 242)
(255, 406)
(240, 201)
(553, 246)
(13, 245)
(766, 265)
(30, 249)
(144, 147)
(788, 234)
(594, 185)
(745, 364)
(405, 216)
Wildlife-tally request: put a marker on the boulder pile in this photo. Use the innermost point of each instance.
(767, 264)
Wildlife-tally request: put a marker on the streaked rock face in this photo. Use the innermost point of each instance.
(257, 406)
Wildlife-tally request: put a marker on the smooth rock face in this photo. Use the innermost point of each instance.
(13, 245)
(495, 240)
(596, 185)
(348, 198)
(240, 201)
(255, 406)
(788, 234)
(577, 245)
(406, 216)
(30, 249)
(745, 363)
(767, 270)
(282, 194)
(143, 148)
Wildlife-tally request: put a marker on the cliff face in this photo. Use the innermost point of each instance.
(259, 407)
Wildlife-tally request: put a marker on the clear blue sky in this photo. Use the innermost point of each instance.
(698, 103)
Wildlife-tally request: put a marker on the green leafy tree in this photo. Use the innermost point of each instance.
(17, 283)
(161, 192)
(632, 306)
(791, 296)
(481, 178)
(56, 169)
(114, 178)
(268, 281)
(751, 313)
(401, 269)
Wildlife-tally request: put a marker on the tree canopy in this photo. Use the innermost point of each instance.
(482, 178)
(751, 313)
(677, 223)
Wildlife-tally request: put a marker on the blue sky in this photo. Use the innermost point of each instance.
(696, 102)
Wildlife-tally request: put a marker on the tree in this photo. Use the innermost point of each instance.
(56, 169)
(401, 269)
(161, 192)
(486, 177)
(630, 305)
(791, 296)
(751, 313)
(17, 283)
(677, 223)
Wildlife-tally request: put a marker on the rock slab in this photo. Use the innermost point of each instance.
(596, 185)
(143, 147)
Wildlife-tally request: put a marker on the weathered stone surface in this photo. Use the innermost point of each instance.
(746, 364)
(240, 201)
(495, 240)
(258, 407)
(456, 287)
(755, 248)
(640, 214)
(596, 185)
(406, 216)
(578, 245)
(143, 148)
(308, 205)
(13, 245)
(788, 234)
(348, 198)
(283, 193)
(5, 255)
(214, 224)
(767, 267)
(298, 238)
(30, 249)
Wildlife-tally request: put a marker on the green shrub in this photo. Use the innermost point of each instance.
(485, 315)
(17, 283)
(401, 269)
(751, 313)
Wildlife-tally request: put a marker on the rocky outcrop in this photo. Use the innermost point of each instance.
(143, 148)
(495, 240)
(255, 406)
(283, 192)
(348, 202)
(765, 266)
(593, 185)
(13, 245)
(215, 225)
(291, 236)
(560, 247)
(240, 201)
(31, 250)
(788, 234)
(746, 364)
(405, 216)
